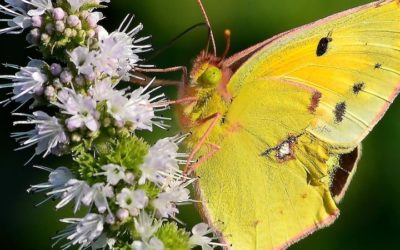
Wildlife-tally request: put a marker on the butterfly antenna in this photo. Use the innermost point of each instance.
(200, 3)
(174, 40)
(227, 34)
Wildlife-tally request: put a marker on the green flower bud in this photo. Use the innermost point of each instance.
(45, 38)
(173, 237)
(76, 137)
(107, 122)
(68, 32)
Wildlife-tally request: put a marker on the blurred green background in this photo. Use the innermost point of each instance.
(370, 217)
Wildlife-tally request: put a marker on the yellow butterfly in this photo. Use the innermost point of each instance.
(277, 127)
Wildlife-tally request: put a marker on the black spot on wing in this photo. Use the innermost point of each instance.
(322, 47)
(358, 87)
(378, 66)
(340, 111)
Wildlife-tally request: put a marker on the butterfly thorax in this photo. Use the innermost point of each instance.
(208, 84)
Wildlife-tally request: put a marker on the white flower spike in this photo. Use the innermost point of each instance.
(18, 20)
(81, 109)
(130, 193)
(114, 173)
(161, 164)
(166, 202)
(47, 135)
(133, 201)
(119, 50)
(104, 90)
(98, 195)
(199, 237)
(28, 82)
(74, 190)
(146, 225)
(137, 108)
(83, 231)
(57, 179)
(38, 7)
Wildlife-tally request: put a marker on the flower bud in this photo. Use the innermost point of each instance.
(49, 92)
(57, 84)
(60, 26)
(49, 28)
(84, 13)
(81, 34)
(111, 131)
(110, 219)
(91, 33)
(122, 214)
(45, 38)
(37, 21)
(119, 124)
(58, 14)
(66, 76)
(75, 136)
(106, 122)
(68, 32)
(35, 33)
(55, 69)
(34, 36)
(92, 21)
(73, 21)
(74, 33)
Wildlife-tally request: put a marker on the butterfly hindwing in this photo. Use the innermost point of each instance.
(268, 186)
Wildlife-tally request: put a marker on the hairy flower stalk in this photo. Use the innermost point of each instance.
(130, 190)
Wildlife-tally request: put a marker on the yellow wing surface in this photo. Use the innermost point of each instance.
(260, 196)
(352, 58)
(301, 105)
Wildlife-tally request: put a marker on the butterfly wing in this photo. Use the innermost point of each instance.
(289, 152)
(268, 186)
(351, 58)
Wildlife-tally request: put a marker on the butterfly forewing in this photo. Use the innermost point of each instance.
(353, 59)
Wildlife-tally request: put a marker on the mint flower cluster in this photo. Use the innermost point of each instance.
(130, 189)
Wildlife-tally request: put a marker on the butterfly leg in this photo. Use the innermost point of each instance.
(214, 149)
(214, 119)
(185, 100)
(143, 79)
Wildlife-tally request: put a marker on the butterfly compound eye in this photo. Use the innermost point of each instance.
(211, 77)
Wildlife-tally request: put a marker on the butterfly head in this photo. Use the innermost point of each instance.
(206, 72)
(207, 69)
